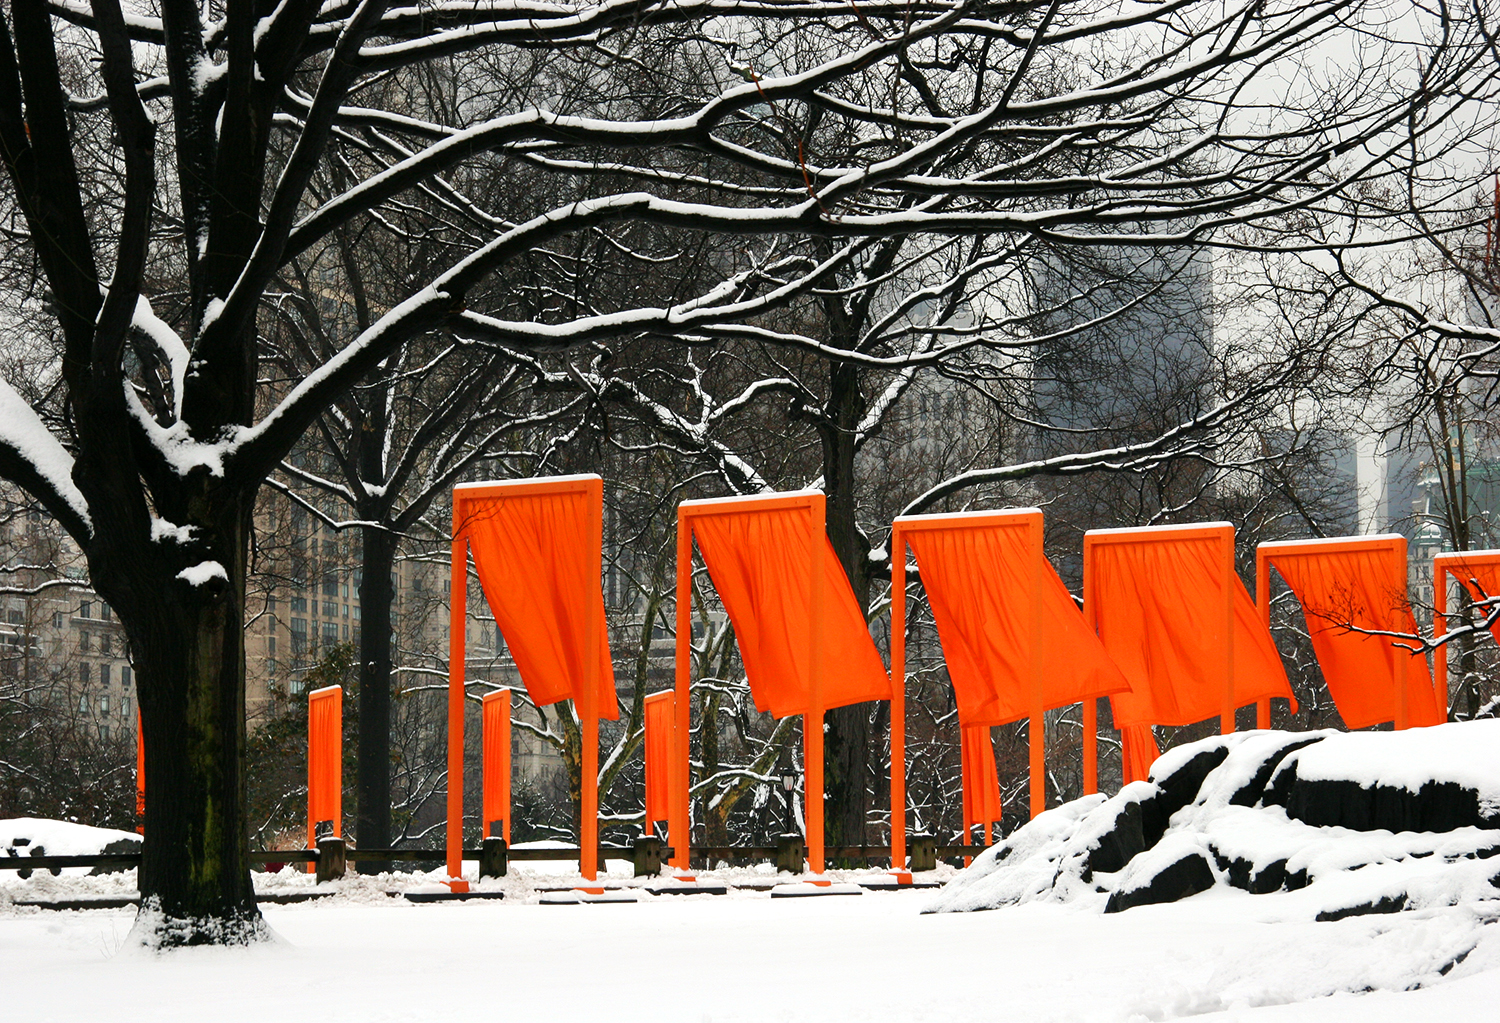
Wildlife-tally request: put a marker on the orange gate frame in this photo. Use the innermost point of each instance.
(495, 759)
(325, 762)
(1096, 538)
(1443, 565)
(678, 822)
(1393, 544)
(1029, 519)
(465, 496)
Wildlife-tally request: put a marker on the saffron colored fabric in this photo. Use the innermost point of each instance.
(661, 709)
(1160, 616)
(979, 581)
(760, 562)
(532, 554)
(981, 783)
(495, 773)
(1366, 589)
(325, 768)
(1138, 751)
(1481, 580)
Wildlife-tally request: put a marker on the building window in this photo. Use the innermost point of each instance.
(125, 707)
(271, 647)
(104, 643)
(299, 604)
(330, 609)
(104, 704)
(83, 672)
(299, 635)
(104, 730)
(271, 604)
(125, 675)
(104, 678)
(83, 704)
(346, 610)
(356, 612)
(330, 633)
(83, 641)
(57, 619)
(15, 617)
(104, 611)
(346, 631)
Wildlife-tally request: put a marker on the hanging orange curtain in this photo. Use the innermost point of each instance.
(978, 581)
(661, 709)
(495, 771)
(325, 760)
(1138, 751)
(1366, 589)
(981, 782)
(1481, 580)
(759, 562)
(531, 555)
(1159, 607)
(140, 776)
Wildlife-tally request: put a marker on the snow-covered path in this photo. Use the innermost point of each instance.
(1223, 955)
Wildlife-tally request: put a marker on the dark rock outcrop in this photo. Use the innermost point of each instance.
(1187, 875)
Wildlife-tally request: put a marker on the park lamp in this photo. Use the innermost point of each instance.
(788, 780)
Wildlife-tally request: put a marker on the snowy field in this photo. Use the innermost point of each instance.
(1222, 955)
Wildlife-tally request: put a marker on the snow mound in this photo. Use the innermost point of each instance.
(59, 838)
(1355, 823)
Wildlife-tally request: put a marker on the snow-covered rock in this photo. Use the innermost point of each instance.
(1366, 822)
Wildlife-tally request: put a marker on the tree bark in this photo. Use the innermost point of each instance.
(847, 742)
(373, 774)
(187, 644)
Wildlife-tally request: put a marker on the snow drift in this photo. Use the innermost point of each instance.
(1369, 822)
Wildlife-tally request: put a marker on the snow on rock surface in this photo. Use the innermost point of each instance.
(1355, 823)
(59, 838)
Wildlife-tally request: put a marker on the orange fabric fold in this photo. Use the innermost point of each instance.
(531, 552)
(759, 562)
(1480, 580)
(494, 786)
(1138, 751)
(1365, 589)
(325, 768)
(661, 709)
(1159, 603)
(979, 584)
(981, 783)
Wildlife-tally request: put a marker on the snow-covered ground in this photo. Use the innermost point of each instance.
(361, 956)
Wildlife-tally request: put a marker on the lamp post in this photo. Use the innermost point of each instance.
(789, 785)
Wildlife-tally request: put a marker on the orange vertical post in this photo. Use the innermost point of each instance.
(588, 706)
(812, 721)
(898, 698)
(495, 715)
(1090, 707)
(140, 776)
(1403, 699)
(1037, 729)
(458, 593)
(1263, 605)
(1226, 717)
(1440, 628)
(679, 824)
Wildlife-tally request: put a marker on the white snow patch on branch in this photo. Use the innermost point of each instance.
(22, 430)
(203, 573)
(171, 346)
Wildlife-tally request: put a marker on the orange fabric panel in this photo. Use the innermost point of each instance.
(981, 783)
(495, 761)
(1159, 603)
(1365, 588)
(530, 552)
(758, 560)
(325, 766)
(1138, 751)
(140, 770)
(1481, 580)
(978, 581)
(661, 710)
